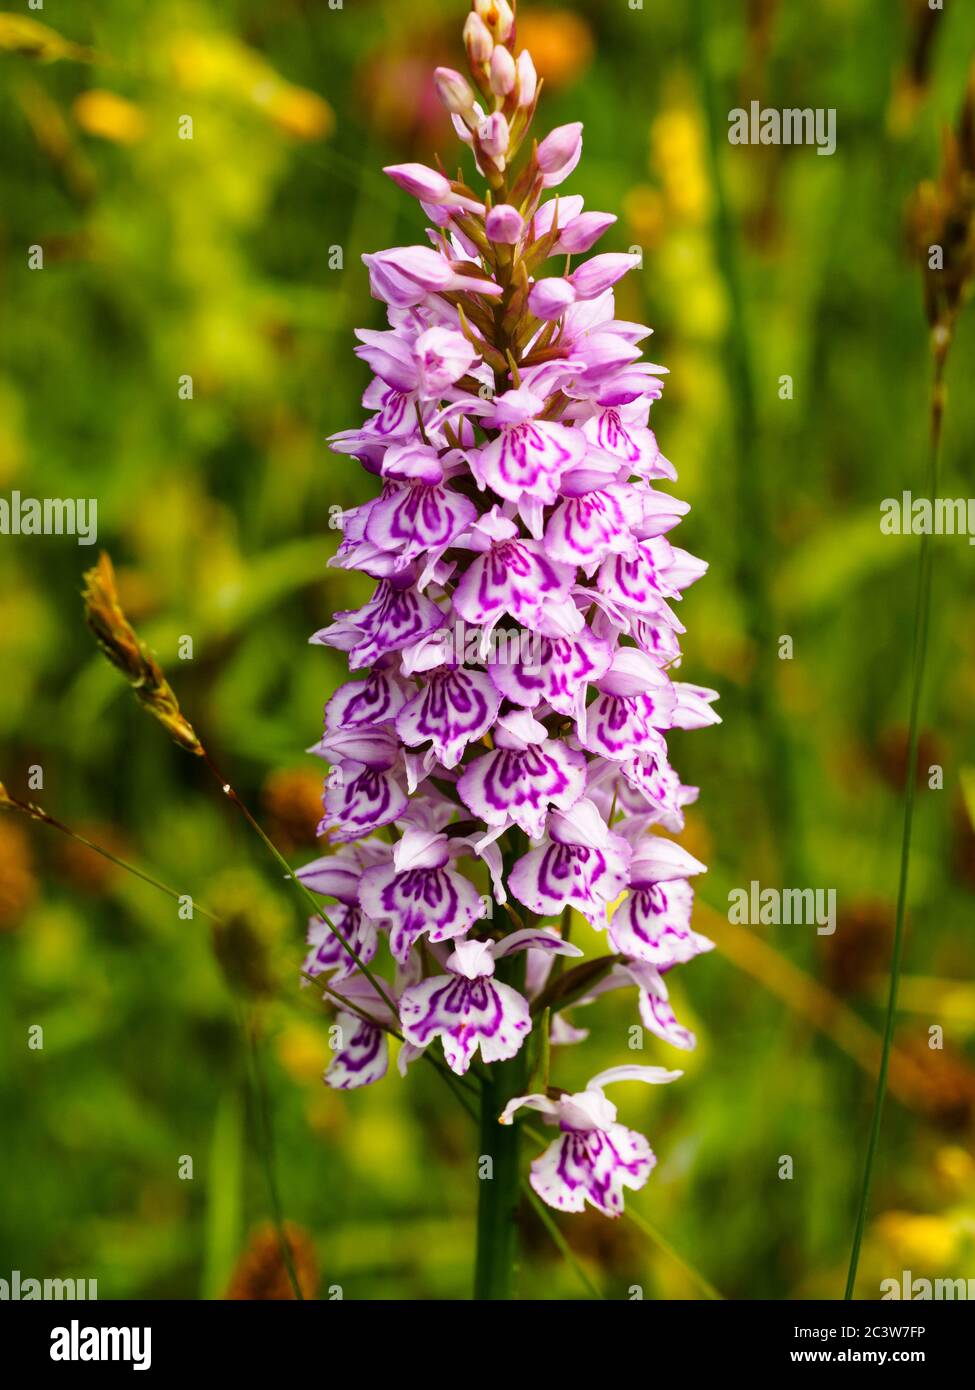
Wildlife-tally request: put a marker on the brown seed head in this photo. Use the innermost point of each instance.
(941, 223)
(260, 1272)
(118, 640)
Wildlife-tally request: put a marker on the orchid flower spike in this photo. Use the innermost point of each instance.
(498, 753)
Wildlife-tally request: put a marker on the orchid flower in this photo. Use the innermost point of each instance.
(595, 1157)
(467, 1008)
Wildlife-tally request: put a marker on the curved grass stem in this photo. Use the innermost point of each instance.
(922, 623)
(37, 813)
(558, 1239)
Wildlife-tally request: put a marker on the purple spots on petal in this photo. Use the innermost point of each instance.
(453, 709)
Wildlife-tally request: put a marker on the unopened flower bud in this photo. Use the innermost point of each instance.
(597, 275)
(477, 41)
(581, 233)
(432, 189)
(420, 181)
(527, 78)
(454, 91)
(503, 72)
(494, 136)
(559, 153)
(504, 224)
(405, 275)
(498, 16)
(549, 299)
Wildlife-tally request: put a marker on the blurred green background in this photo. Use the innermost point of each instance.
(217, 257)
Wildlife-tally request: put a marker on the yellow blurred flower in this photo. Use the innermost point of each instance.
(25, 36)
(686, 266)
(302, 1051)
(677, 156)
(219, 65)
(643, 208)
(928, 1241)
(54, 945)
(560, 43)
(955, 1168)
(109, 116)
(379, 1151)
(297, 111)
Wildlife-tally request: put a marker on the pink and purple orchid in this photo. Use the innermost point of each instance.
(483, 791)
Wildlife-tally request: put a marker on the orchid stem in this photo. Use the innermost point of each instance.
(499, 1167)
(498, 1195)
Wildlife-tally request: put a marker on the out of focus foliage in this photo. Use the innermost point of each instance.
(232, 258)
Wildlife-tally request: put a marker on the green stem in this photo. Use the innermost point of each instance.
(498, 1195)
(922, 622)
(500, 1187)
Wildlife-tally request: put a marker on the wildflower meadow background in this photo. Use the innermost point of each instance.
(786, 299)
